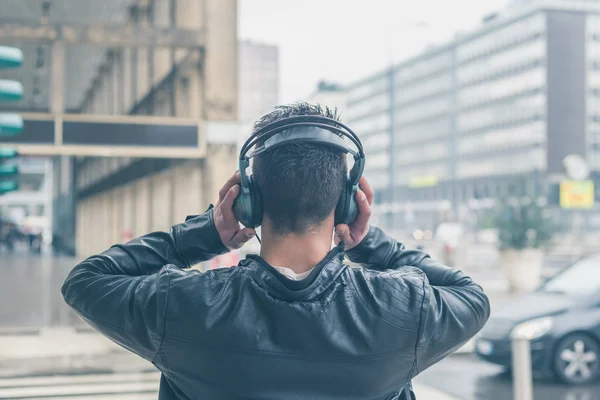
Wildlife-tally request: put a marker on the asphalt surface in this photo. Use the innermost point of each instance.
(30, 298)
(467, 378)
(30, 291)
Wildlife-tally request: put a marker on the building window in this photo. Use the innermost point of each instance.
(503, 88)
(504, 37)
(511, 59)
(366, 89)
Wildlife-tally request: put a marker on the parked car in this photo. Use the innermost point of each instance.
(562, 318)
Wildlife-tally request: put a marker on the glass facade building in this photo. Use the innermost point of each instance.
(454, 125)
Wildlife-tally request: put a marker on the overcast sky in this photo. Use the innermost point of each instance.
(344, 40)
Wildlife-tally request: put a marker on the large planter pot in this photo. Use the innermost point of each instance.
(523, 268)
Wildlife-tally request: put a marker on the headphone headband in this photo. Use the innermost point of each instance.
(326, 123)
(309, 128)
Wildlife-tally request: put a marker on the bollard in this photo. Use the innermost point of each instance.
(521, 368)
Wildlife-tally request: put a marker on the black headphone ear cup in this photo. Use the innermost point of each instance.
(341, 210)
(257, 206)
(352, 205)
(242, 208)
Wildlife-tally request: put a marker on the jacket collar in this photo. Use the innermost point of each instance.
(320, 278)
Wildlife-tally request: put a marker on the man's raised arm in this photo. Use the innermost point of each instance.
(122, 292)
(453, 307)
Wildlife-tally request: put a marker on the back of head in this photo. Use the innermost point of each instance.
(300, 183)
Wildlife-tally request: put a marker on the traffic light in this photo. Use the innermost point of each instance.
(8, 172)
(11, 124)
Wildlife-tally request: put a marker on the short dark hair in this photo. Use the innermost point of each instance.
(300, 183)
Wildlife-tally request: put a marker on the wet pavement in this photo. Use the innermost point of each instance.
(30, 292)
(30, 299)
(467, 378)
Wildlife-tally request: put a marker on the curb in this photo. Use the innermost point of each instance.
(19, 331)
(33, 331)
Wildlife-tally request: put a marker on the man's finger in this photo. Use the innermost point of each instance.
(241, 238)
(226, 205)
(365, 186)
(234, 180)
(364, 210)
(342, 233)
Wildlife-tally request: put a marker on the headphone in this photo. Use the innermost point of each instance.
(307, 128)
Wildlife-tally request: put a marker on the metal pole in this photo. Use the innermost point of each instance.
(577, 221)
(521, 363)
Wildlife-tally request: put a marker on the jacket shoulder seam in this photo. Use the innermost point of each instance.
(419, 331)
(107, 325)
(364, 303)
(164, 319)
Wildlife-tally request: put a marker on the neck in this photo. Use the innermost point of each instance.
(300, 253)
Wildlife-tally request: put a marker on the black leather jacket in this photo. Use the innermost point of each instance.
(249, 332)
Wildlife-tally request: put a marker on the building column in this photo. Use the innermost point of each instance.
(218, 168)
(188, 90)
(127, 81)
(162, 200)
(142, 65)
(129, 210)
(142, 208)
(220, 63)
(188, 181)
(82, 228)
(116, 82)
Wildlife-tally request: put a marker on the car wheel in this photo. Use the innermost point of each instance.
(576, 360)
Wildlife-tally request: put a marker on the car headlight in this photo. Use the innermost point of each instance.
(533, 329)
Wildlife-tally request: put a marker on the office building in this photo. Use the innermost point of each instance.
(135, 104)
(258, 79)
(455, 124)
(330, 95)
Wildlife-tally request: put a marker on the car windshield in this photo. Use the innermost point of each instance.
(581, 278)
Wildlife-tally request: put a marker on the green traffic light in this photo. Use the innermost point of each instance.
(10, 57)
(10, 124)
(6, 187)
(10, 169)
(10, 90)
(8, 153)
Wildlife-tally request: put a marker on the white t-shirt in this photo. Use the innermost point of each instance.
(288, 273)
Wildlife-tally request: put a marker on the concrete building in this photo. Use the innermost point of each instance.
(331, 95)
(455, 124)
(258, 79)
(134, 101)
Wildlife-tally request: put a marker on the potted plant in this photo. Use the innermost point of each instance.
(523, 231)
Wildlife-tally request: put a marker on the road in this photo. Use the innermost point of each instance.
(467, 378)
(30, 292)
(30, 299)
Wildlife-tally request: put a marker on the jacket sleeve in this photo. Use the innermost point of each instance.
(453, 307)
(123, 291)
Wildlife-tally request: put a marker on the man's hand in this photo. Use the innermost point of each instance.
(230, 231)
(352, 235)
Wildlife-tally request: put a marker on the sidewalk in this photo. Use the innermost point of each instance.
(54, 342)
(426, 393)
(61, 351)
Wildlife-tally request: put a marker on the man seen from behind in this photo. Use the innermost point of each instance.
(295, 322)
